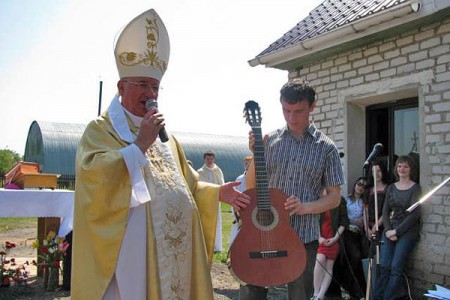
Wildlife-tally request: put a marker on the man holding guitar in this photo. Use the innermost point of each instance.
(301, 162)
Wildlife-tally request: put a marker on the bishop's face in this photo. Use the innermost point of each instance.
(135, 91)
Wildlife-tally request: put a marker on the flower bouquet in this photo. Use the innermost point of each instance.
(9, 270)
(53, 251)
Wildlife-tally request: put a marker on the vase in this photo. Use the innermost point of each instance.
(45, 275)
(53, 278)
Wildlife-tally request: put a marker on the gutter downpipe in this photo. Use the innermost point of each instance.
(284, 55)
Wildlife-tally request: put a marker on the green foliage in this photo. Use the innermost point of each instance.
(8, 159)
(227, 221)
(13, 223)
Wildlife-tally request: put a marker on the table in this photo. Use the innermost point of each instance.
(39, 203)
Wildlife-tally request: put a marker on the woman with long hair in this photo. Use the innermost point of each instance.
(381, 180)
(355, 242)
(401, 229)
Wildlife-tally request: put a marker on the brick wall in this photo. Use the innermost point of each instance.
(414, 63)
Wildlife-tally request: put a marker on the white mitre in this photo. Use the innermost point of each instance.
(143, 47)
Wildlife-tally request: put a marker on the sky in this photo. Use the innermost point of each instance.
(54, 53)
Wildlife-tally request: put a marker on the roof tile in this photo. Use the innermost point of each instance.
(329, 15)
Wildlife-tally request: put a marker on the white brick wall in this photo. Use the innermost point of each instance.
(421, 58)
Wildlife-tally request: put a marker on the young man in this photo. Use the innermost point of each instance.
(301, 162)
(210, 172)
(142, 221)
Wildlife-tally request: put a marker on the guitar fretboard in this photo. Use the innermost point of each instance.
(262, 183)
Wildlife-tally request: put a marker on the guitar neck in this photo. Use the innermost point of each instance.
(262, 183)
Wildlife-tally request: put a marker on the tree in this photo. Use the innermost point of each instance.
(8, 158)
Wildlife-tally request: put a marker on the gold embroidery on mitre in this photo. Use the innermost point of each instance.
(150, 56)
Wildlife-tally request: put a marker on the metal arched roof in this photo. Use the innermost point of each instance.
(54, 145)
(229, 150)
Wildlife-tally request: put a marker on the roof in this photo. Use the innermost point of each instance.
(330, 15)
(229, 150)
(54, 146)
(336, 26)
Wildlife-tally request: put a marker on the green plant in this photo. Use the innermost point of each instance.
(53, 249)
(8, 158)
(227, 221)
(13, 223)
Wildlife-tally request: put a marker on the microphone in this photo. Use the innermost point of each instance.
(375, 151)
(149, 103)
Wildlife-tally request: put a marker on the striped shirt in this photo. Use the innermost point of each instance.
(302, 167)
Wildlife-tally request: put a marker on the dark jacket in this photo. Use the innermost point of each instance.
(338, 216)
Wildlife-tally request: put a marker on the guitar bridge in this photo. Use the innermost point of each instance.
(268, 254)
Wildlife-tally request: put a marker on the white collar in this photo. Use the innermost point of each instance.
(211, 168)
(119, 122)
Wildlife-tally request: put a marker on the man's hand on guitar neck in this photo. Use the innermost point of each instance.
(251, 140)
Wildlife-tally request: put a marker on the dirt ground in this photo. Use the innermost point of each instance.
(225, 286)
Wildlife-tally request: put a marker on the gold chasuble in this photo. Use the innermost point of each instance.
(180, 218)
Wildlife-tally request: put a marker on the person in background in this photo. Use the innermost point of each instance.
(301, 161)
(382, 183)
(401, 229)
(210, 172)
(142, 221)
(333, 224)
(242, 187)
(355, 243)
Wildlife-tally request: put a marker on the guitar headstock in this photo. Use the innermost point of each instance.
(252, 114)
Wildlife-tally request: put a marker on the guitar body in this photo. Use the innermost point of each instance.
(267, 251)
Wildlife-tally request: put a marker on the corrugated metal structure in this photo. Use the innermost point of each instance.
(230, 151)
(54, 146)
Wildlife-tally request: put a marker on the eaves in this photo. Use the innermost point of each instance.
(379, 26)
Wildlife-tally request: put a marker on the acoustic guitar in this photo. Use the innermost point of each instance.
(266, 251)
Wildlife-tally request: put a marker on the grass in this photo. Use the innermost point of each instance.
(7, 224)
(227, 221)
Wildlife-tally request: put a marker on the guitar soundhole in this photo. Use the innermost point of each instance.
(265, 219)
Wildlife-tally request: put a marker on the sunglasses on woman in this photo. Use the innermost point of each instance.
(361, 184)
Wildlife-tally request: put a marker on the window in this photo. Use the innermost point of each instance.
(396, 125)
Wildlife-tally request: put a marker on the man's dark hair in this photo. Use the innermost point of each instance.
(297, 90)
(209, 153)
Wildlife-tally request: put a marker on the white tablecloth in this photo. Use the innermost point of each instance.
(39, 203)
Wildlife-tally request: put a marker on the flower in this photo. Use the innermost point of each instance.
(53, 249)
(11, 273)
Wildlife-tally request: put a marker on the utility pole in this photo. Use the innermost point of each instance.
(100, 98)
